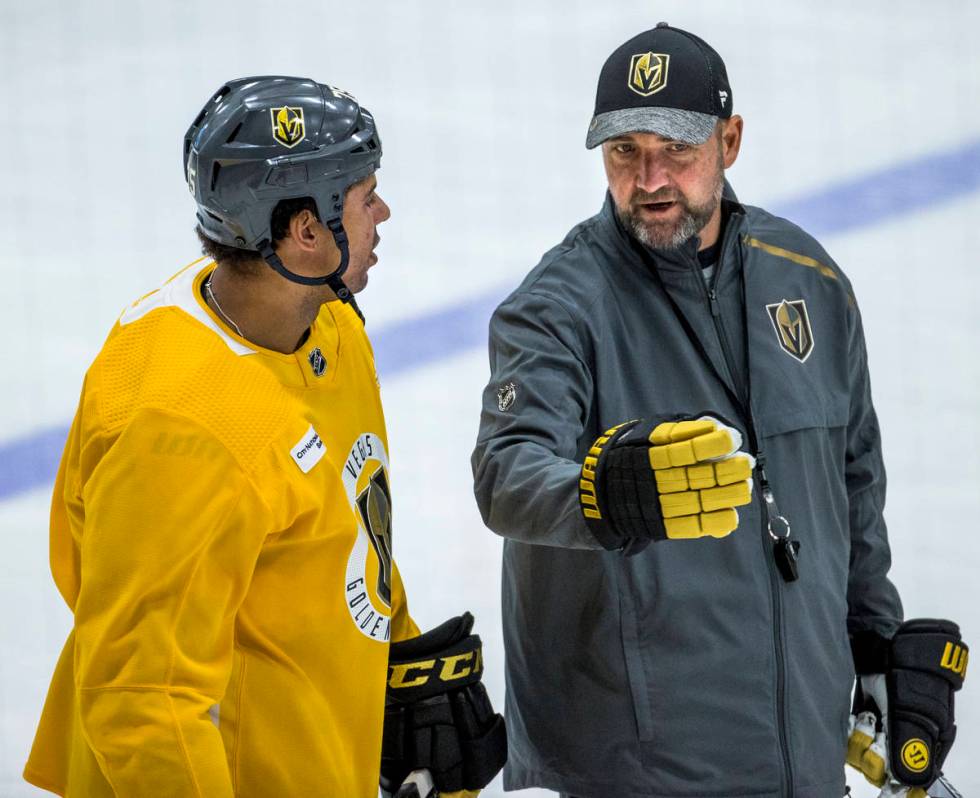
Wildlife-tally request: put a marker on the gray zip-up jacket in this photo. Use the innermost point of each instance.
(691, 668)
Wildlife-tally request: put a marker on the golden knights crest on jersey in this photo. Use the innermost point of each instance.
(368, 579)
(792, 325)
(288, 126)
(374, 506)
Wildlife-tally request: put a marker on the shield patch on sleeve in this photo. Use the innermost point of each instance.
(791, 323)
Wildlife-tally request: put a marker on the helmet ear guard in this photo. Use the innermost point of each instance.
(262, 140)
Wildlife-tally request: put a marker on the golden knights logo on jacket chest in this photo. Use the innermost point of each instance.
(368, 579)
(792, 325)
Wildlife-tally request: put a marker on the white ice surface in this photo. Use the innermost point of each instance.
(482, 110)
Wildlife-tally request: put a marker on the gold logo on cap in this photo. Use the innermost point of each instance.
(792, 325)
(648, 73)
(288, 127)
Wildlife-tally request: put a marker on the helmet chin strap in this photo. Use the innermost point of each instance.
(334, 279)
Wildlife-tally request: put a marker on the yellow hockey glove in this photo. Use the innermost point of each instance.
(644, 481)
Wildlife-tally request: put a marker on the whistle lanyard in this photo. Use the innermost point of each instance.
(784, 551)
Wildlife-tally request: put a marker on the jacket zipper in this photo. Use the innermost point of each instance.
(761, 489)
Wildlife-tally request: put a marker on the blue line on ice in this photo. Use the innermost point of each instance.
(31, 461)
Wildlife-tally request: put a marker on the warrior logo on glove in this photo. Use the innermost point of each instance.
(902, 724)
(643, 481)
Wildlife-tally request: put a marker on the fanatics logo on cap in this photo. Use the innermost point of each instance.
(288, 127)
(792, 325)
(648, 73)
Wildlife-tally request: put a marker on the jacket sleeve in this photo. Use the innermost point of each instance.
(873, 601)
(535, 408)
(172, 531)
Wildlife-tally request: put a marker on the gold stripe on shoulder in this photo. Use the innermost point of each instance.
(779, 252)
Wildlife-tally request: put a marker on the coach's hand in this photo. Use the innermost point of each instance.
(644, 481)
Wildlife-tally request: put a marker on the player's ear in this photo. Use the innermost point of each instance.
(305, 230)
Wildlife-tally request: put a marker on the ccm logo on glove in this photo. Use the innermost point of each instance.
(455, 667)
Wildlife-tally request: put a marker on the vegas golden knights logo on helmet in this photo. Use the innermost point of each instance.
(792, 325)
(648, 73)
(374, 505)
(288, 127)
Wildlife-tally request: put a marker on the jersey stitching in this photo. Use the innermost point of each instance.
(239, 714)
(183, 747)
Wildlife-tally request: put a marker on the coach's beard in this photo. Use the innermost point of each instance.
(669, 235)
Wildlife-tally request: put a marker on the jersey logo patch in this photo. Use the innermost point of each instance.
(309, 451)
(317, 362)
(367, 586)
(792, 325)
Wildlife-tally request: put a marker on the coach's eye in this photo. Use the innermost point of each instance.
(624, 148)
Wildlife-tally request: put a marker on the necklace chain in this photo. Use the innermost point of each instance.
(214, 299)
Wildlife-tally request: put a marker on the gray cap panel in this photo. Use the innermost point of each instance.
(691, 127)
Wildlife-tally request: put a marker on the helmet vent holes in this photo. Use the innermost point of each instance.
(214, 175)
(358, 150)
(234, 133)
(214, 216)
(372, 144)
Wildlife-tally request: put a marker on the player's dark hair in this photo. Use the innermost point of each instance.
(248, 262)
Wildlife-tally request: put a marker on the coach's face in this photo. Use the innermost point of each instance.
(666, 191)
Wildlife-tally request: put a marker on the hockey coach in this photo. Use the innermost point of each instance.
(679, 445)
(221, 521)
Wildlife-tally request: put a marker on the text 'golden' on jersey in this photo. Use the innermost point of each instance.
(368, 582)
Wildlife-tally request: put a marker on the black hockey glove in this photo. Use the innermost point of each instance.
(903, 717)
(644, 481)
(437, 713)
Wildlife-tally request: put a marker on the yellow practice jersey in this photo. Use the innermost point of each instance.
(221, 530)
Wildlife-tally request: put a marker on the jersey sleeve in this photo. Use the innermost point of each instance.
(402, 625)
(172, 531)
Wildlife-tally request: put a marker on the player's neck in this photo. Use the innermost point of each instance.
(267, 310)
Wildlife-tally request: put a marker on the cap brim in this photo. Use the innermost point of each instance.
(691, 127)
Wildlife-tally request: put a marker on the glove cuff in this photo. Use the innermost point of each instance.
(621, 511)
(443, 659)
(870, 651)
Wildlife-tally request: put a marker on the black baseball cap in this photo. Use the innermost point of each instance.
(665, 81)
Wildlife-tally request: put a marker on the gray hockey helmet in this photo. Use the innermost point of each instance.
(261, 140)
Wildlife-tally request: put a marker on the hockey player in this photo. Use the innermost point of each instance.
(679, 444)
(221, 522)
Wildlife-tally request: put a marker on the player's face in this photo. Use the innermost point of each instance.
(364, 210)
(666, 191)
